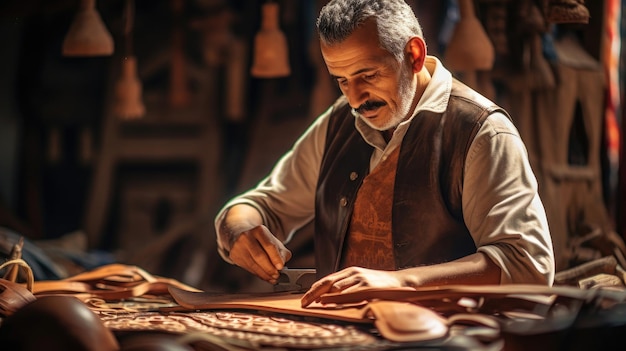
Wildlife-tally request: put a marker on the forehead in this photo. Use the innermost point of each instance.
(361, 48)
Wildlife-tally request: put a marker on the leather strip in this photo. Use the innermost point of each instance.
(110, 282)
(522, 291)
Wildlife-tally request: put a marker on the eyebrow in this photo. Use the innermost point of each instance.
(366, 69)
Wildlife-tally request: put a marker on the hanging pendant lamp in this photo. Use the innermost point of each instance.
(128, 91)
(469, 48)
(271, 57)
(128, 88)
(88, 36)
(179, 92)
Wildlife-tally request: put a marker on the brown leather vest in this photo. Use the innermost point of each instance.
(427, 219)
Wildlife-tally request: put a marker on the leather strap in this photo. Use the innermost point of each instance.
(110, 282)
(13, 296)
(13, 265)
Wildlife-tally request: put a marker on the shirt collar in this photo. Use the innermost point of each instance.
(437, 93)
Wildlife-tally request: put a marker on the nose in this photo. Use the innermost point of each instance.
(356, 94)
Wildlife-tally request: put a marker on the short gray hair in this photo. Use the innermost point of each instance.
(395, 21)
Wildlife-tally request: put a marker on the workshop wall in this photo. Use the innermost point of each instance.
(147, 188)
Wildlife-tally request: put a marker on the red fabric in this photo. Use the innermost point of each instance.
(612, 51)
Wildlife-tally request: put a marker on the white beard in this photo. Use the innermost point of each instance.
(406, 94)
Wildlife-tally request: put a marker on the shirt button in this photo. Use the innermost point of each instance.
(343, 202)
(353, 176)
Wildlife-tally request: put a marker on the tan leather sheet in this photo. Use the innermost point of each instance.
(286, 303)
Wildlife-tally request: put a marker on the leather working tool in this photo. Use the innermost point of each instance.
(290, 279)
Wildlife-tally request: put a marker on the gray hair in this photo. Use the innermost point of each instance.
(395, 21)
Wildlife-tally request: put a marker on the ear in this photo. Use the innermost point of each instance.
(416, 53)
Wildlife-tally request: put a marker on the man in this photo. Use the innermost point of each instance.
(412, 178)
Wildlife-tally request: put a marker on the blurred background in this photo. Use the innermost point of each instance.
(124, 150)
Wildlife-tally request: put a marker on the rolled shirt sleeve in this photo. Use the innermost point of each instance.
(286, 197)
(501, 205)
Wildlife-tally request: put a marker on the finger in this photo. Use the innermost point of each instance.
(321, 287)
(248, 253)
(269, 253)
(277, 253)
(351, 288)
(335, 282)
(248, 262)
(345, 283)
(285, 254)
(315, 292)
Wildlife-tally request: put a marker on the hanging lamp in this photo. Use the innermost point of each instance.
(271, 57)
(128, 91)
(87, 36)
(179, 92)
(469, 49)
(128, 88)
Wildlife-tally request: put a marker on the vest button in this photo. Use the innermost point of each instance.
(354, 175)
(343, 202)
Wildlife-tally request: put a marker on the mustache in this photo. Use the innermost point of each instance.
(370, 105)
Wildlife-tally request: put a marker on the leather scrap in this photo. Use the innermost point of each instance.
(13, 296)
(406, 322)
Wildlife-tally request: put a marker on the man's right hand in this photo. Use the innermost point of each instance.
(258, 251)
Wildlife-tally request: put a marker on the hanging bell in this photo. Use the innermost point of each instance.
(88, 36)
(128, 91)
(271, 57)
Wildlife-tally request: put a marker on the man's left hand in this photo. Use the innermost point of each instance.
(350, 279)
